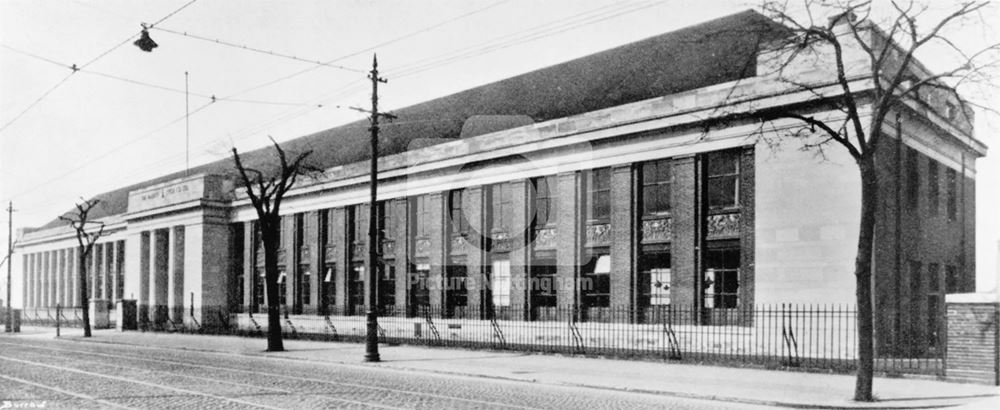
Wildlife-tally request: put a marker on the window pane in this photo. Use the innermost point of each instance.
(501, 283)
(722, 192)
(722, 163)
(663, 171)
(649, 173)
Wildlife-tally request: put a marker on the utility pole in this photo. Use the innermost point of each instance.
(371, 337)
(10, 262)
(187, 127)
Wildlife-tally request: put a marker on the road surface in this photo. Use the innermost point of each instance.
(77, 374)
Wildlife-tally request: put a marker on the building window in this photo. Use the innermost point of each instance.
(933, 304)
(500, 199)
(952, 182)
(500, 283)
(933, 184)
(305, 278)
(595, 286)
(258, 290)
(329, 287)
(542, 286)
(387, 289)
(951, 280)
(356, 289)
(654, 280)
(459, 225)
(456, 298)
(723, 173)
(598, 201)
(359, 223)
(422, 215)
(912, 178)
(721, 281)
(419, 292)
(282, 288)
(544, 200)
(656, 179)
(386, 225)
(916, 285)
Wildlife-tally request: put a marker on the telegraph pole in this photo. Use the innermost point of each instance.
(10, 262)
(371, 338)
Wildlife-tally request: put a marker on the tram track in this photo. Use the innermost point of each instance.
(116, 358)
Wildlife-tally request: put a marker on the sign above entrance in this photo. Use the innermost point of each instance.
(177, 192)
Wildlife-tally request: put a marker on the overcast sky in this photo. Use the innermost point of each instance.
(100, 129)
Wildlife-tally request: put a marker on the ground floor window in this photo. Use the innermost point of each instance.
(356, 289)
(456, 297)
(420, 296)
(387, 288)
(500, 283)
(654, 279)
(721, 280)
(595, 282)
(542, 289)
(304, 285)
(258, 290)
(329, 288)
(282, 288)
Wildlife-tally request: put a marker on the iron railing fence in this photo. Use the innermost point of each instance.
(46, 316)
(819, 337)
(780, 335)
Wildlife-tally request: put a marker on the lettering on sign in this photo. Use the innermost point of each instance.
(160, 196)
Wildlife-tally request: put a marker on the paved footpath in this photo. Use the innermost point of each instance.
(726, 386)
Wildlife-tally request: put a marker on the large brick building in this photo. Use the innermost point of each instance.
(597, 183)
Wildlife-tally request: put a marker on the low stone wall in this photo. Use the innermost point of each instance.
(973, 338)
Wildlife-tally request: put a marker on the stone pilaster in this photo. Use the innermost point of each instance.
(436, 230)
(477, 282)
(158, 280)
(569, 224)
(622, 249)
(175, 270)
(341, 243)
(683, 205)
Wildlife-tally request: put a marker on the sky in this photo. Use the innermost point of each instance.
(120, 119)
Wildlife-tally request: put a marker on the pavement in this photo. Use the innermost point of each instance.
(726, 384)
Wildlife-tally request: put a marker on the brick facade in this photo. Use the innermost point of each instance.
(973, 342)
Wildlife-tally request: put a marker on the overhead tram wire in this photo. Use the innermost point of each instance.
(306, 108)
(387, 42)
(370, 48)
(258, 50)
(544, 30)
(85, 65)
(147, 84)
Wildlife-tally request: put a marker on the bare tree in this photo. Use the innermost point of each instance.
(266, 191)
(896, 79)
(87, 234)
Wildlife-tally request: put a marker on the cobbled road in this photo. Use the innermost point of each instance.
(85, 375)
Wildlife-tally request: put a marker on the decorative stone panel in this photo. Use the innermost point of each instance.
(458, 245)
(723, 226)
(598, 235)
(422, 247)
(545, 238)
(502, 242)
(657, 230)
(388, 248)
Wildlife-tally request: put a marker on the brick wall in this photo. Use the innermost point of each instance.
(972, 342)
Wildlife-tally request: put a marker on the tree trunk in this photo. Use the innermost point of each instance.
(81, 268)
(863, 278)
(270, 235)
